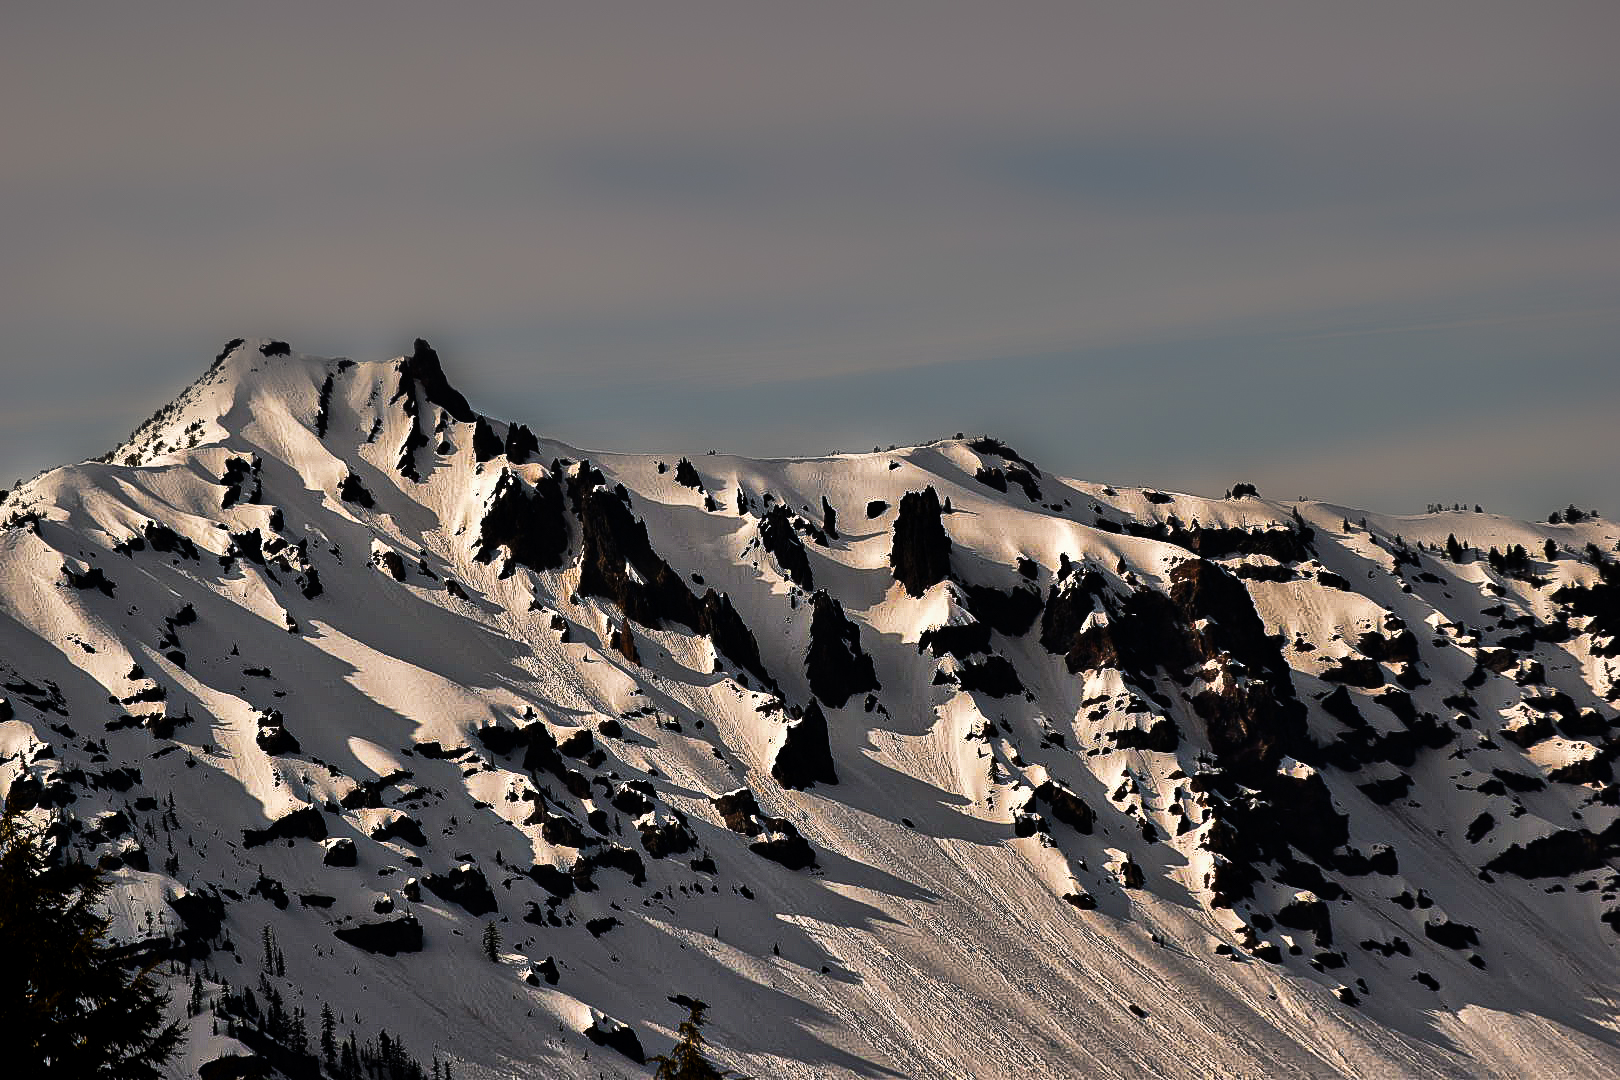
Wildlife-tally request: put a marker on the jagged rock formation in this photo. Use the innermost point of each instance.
(921, 555)
(777, 537)
(834, 664)
(805, 758)
(528, 520)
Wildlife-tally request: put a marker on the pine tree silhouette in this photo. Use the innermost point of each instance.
(686, 1061)
(492, 942)
(67, 1006)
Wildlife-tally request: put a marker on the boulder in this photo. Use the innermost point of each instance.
(739, 811)
(307, 824)
(1066, 806)
(780, 842)
(402, 933)
(1307, 911)
(340, 851)
(605, 1031)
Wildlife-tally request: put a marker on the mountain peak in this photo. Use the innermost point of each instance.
(423, 366)
(253, 381)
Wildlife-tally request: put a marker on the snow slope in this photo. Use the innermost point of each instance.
(1127, 782)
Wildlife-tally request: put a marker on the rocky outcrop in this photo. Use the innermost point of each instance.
(241, 480)
(1250, 723)
(201, 915)
(725, 627)
(739, 810)
(1160, 736)
(387, 936)
(834, 664)
(1306, 911)
(775, 838)
(485, 443)
(304, 824)
(273, 736)
(323, 407)
(1353, 671)
(166, 541)
(1207, 618)
(554, 880)
(1342, 707)
(528, 522)
(665, 835)
(805, 758)
(422, 367)
(340, 852)
(421, 371)
(778, 538)
(618, 563)
(521, 445)
(464, 886)
(613, 857)
(686, 475)
(605, 1031)
(994, 676)
(1285, 544)
(921, 554)
(1559, 854)
(1066, 806)
(999, 479)
(781, 843)
(415, 438)
(1009, 613)
(623, 642)
(1453, 935)
(1289, 809)
(92, 578)
(398, 825)
(955, 639)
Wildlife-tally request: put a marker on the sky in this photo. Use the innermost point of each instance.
(1363, 252)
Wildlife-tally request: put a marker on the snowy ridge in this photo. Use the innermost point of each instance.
(923, 763)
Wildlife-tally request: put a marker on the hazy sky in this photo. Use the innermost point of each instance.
(1361, 251)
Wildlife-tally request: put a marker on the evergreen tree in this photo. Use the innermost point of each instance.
(685, 1061)
(492, 941)
(328, 1037)
(67, 1007)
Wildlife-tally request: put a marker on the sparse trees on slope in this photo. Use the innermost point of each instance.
(67, 1007)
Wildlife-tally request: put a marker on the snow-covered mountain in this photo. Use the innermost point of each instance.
(920, 763)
